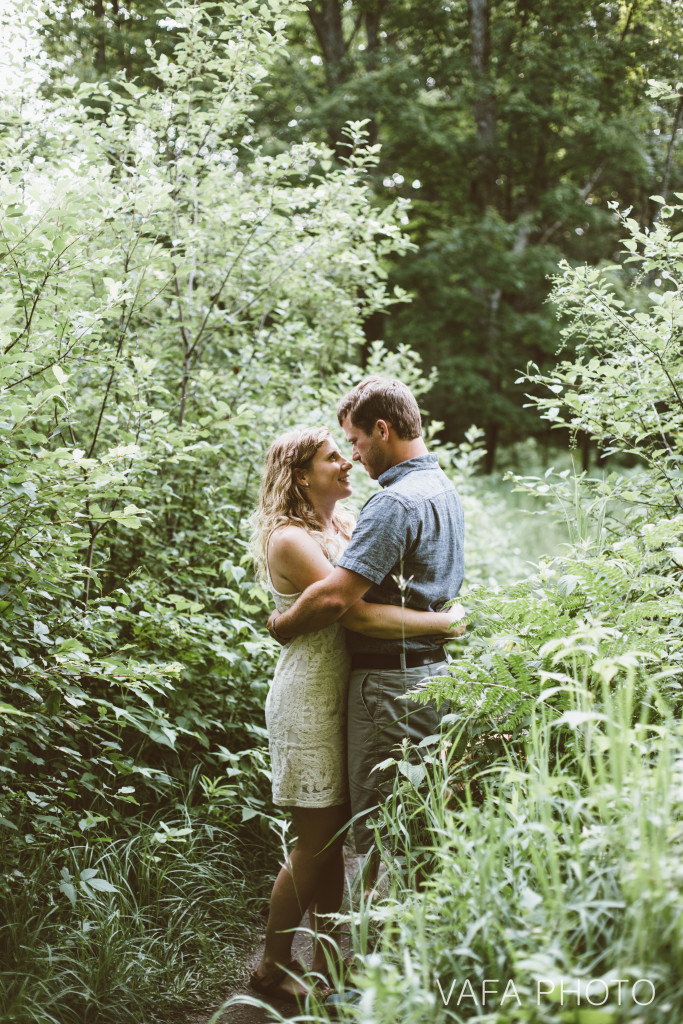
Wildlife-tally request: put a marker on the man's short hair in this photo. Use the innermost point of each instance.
(382, 398)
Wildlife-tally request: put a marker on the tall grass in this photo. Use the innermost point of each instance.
(126, 930)
(549, 884)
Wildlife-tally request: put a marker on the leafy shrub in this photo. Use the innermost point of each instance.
(172, 298)
(548, 822)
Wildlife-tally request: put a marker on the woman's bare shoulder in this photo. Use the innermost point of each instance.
(291, 538)
(297, 557)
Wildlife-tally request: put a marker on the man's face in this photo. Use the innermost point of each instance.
(368, 449)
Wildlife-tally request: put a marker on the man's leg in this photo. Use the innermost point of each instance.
(380, 718)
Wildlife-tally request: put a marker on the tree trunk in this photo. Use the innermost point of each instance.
(483, 103)
(483, 193)
(372, 40)
(326, 17)
(100, 38)
(490, 444)
(670, 151)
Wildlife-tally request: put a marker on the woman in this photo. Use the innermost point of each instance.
(299, 533)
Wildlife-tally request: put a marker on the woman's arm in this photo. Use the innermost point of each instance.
(296, 562)
(392, 622)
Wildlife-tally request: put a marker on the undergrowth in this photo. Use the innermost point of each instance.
(129, 929)
(545, 881)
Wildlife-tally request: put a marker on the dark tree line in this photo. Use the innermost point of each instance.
(509, 126)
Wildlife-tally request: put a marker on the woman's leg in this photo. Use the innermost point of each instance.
(310, 876)
(327, 898)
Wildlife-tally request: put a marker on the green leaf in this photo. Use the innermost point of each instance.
(577, 718)
(101, 885)
(69, 891)
(414, 773)
(7, 709)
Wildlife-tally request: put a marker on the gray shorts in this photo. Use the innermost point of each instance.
(379, 719)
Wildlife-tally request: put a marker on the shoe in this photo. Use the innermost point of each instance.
(335, 1001)
(273, 985)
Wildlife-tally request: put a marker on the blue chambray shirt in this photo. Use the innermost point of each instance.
(414, 528)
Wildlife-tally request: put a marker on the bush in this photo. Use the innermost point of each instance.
(540, 848)
(172, 298)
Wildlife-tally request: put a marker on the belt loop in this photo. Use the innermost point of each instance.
(403, 660)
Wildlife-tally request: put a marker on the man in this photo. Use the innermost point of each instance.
(407, 548)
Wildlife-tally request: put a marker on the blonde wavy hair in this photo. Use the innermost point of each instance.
(283, 501)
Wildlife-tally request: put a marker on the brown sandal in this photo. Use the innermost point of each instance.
(271, 986)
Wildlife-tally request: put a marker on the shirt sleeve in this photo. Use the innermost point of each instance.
(379, 540)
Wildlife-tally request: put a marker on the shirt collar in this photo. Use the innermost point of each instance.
(394, 473)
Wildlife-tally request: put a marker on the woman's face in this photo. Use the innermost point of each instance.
(327, 475)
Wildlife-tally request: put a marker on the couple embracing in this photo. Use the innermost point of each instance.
(357, 614)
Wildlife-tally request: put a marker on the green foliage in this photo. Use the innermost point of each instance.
(173, 295)
(613, 602)
(166, 309)
(165, 910)
(509, 138)
(624, 389)
(538, 846)
(172, 298)
(544, 881)
(581, 619)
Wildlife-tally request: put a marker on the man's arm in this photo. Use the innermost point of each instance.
(321, 604)
(398, 622)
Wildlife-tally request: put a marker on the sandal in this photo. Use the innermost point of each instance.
(271, 986)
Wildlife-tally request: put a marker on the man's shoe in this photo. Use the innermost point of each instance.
(348, 997)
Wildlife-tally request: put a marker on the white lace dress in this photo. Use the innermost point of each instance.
(306, 715)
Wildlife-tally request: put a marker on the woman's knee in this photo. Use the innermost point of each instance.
(324, 827)
(319, 849)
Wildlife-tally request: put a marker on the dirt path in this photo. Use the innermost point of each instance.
(242, 1013)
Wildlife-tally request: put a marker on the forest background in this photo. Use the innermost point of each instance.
(216, 217)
